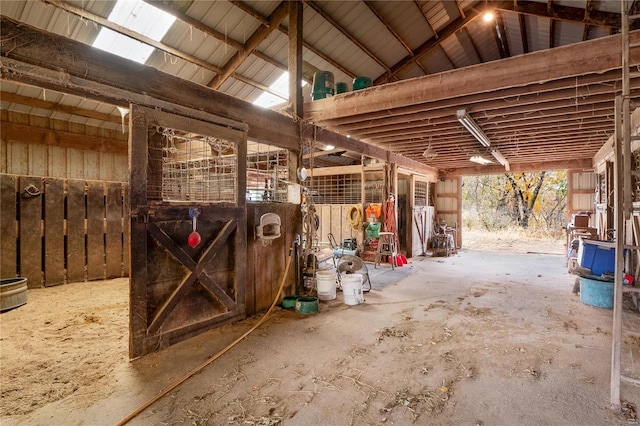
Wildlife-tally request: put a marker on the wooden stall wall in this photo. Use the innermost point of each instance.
(63, 190)
(266, 259)
(56, 231)
(333, 219)
(40, 146)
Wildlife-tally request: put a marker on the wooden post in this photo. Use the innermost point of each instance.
(295, 58)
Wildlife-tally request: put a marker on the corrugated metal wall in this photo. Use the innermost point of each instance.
(448, 200)
(581, 186)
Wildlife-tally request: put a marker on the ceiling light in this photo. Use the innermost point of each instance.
(498, 156)
(480, 160)
(429, 153)
(472, 127)
(328, 147)
(488, 17)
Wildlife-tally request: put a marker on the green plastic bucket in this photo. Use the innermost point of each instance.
(361, 83)
(307, 305)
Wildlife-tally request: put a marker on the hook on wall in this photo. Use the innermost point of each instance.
(32, 191)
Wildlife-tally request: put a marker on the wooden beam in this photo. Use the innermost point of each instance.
(502, 33)
(313, 5)
(40, 135)
(552, 33)
(321, 153)
(596, 18)
(523, 33)
(274, 20)
(83, 14)
(295, 59)
(255, 14)
(209, 31)
(591, 57)
(337, 170)
(351, 144)
(460, 9)
(588, 8)
(67, 109)
(433, 42)
(583, 163)
(426, 19)
(35, 57)
(496, 37)
(526, 99)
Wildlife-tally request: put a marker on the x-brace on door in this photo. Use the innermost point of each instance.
(188, 177)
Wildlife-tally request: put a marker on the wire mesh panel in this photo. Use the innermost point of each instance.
(421, 194)
(337, 189)
(267, 173)
(374, 187)
(187, 167)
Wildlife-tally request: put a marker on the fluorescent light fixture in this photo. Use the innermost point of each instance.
(472, 127)
(498, 156)
(328, 147)
(480, 160)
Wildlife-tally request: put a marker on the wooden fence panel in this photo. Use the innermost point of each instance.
(113, 241)
(54, 272)
(76, 257)
(95, 231)
(31, 230)
(8, 229)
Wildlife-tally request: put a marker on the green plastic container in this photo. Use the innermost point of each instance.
(373, 230)
(341, 87)
(307, 305)
(361, 82)
(289, 302)
(322, 85)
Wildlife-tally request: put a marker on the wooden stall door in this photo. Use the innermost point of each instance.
(178, 291)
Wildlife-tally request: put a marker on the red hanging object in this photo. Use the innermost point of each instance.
(194, 239)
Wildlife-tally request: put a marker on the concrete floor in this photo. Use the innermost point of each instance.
(477, 338)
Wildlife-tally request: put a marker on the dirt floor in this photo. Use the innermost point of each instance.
(477, 338)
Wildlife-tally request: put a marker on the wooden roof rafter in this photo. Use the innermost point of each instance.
(259, 35)
(316, 8)
(432, 43)
(247, 9)
(206, 29)
(394, 33)
(83, 14)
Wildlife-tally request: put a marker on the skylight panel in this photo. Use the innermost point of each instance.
(137, 16)
(269, 100)
(280, 86)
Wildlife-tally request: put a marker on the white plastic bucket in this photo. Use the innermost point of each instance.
(352, 289)
(326, 284)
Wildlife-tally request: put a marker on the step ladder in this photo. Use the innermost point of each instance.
(627, 213)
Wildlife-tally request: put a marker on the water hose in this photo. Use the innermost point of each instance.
(354, 216)
(211, 359)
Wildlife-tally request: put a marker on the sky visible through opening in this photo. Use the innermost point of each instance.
(154, 23)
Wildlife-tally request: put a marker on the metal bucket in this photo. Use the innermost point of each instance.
(13, 293)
